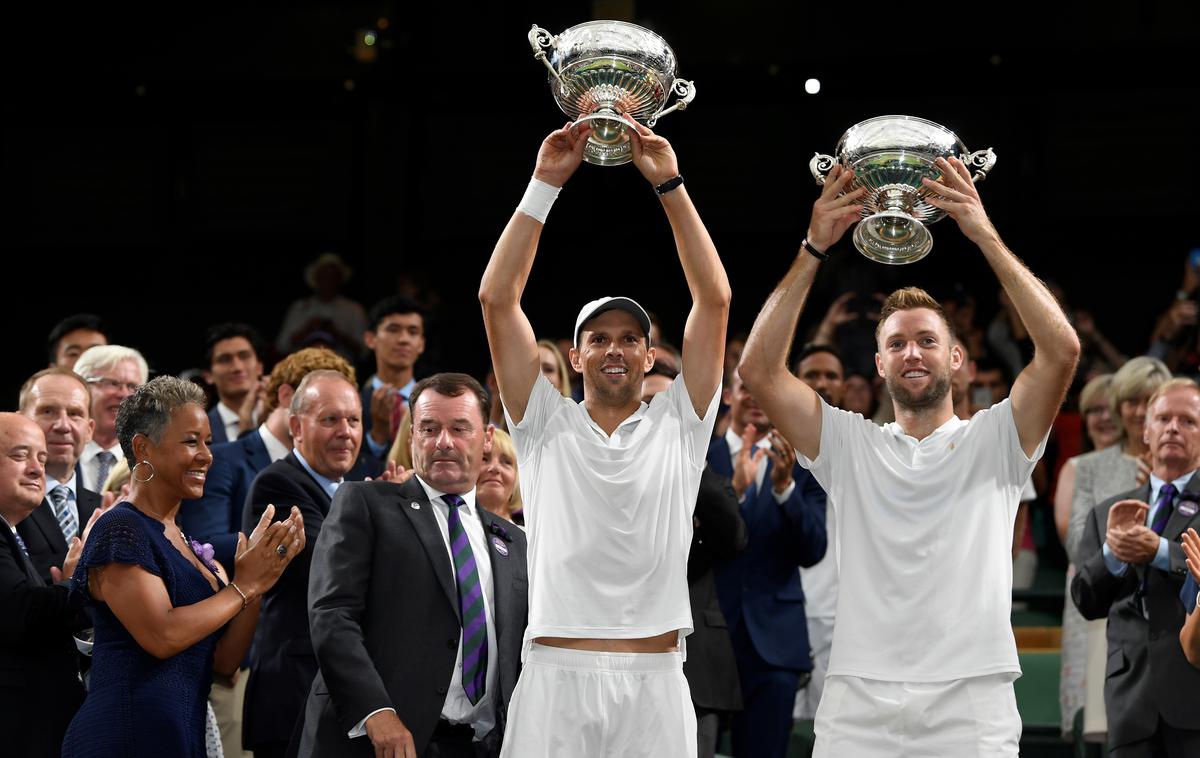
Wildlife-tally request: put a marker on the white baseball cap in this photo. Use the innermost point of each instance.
(596, 307)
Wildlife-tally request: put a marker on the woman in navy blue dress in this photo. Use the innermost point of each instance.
(163, 610)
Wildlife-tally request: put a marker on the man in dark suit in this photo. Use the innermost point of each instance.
(326, 427)
(58, 401)
(760, 593)
(231, 353)
(1131, 570)
(39, 679)
(396, 337)
(216, 518)
(419, 646)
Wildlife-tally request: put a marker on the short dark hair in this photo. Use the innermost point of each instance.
(69, 324)
(452, 385)
(813, 348)
(229, 330)
(393, 304)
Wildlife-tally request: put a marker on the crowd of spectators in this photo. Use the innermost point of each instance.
(201, 628)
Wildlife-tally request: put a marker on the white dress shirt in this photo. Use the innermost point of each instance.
(276, 449)
(91, 467)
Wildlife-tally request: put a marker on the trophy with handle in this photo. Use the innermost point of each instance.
(890, 155)
(602, 71)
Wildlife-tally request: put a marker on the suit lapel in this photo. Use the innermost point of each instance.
(30, 572)
(45, 521)
(1179, 519)
(413, 502)
(502, 570)
(86, 502)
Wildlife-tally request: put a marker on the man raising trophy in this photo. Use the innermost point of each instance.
(610, 483)
(923, 655)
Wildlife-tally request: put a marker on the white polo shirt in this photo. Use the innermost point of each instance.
(609, 518)
(925, 534)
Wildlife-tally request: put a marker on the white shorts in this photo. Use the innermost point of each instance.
(584, 704)
(974, 717)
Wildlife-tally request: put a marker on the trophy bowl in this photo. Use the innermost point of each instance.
(890, 155)
(602, 71)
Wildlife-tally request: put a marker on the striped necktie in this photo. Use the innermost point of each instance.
(60, 499)
(21, 543)
(470, 602)
(104, 461)
(1164, 508)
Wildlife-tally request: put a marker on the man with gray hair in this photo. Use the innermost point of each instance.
(326, 427)
(113, 372)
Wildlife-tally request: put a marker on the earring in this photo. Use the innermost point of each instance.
(133, 472)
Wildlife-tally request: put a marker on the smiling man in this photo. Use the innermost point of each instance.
(58, 401)
(326, 427)
(41, 689)
(923, 655)
(113, 372)
(609, 484)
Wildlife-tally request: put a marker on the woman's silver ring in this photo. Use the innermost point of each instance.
(282, 550)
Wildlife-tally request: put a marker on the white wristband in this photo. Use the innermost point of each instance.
(539, 196)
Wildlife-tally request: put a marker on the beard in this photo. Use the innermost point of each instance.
(929, 397)
(624, 393)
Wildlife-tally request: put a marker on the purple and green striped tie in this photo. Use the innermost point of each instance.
(470, 602)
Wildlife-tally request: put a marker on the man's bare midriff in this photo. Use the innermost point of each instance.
(663, 643)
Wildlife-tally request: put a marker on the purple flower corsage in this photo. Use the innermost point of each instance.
(205, 553)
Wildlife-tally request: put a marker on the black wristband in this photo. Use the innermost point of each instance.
(669, 185)
(804, 243)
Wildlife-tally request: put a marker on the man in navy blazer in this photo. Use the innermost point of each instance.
(759, 590)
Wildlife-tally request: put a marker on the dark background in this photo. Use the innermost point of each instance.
(170, 169)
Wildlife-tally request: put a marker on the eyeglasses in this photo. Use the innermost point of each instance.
(112, 384)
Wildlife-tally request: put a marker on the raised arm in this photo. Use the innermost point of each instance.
(1039, 389)
(704, 333)
(790, 403)
(510, 336)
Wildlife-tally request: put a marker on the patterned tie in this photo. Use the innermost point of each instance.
(21, 544)
(67, 520)
(1164, 508)
(470, 602)
(106, 461)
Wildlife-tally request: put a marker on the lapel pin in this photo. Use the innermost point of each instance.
(415, 506)
(501, 548)
(1188, 508)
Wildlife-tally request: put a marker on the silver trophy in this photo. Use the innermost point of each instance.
(603, 70)
(890, 155)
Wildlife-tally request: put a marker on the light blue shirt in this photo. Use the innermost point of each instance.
(72, 497)
(329, 485)
(378, 450)
(1162, 558)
